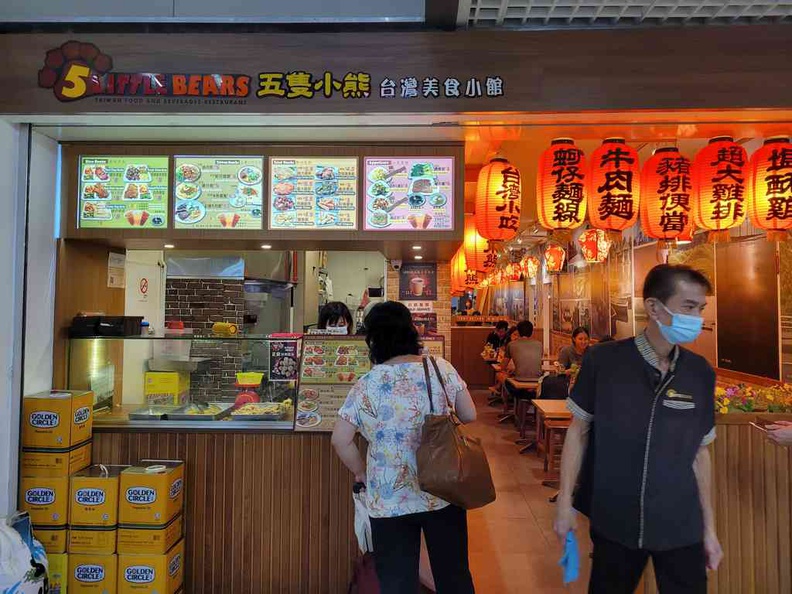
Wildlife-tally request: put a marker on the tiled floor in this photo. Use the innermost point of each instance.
(512, 544)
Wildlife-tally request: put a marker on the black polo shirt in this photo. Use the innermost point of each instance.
(637, 484)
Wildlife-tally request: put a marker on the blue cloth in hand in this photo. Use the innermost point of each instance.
(570, 561)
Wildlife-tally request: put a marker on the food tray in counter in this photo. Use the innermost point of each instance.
(259, 411)
(211, 411)
(151, 413)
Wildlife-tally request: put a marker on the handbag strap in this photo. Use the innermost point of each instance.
(442, 384)
(429, 385)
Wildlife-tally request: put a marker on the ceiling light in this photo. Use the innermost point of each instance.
(169, 246)
(419, 257)
(266, 246)
(417, 248)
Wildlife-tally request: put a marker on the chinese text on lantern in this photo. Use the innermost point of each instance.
(509, 193)
(674, 190)
(568, 193)
(618, 200)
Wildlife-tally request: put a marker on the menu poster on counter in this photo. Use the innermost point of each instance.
(283, 360)
(409, 193)
(418, 282)
(434, 346)
(218, 192)
(313, 193)
(330, 367)
(123, 192)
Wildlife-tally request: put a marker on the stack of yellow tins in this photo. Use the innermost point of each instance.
(57, 428)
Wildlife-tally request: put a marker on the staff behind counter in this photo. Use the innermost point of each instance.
(335, 315)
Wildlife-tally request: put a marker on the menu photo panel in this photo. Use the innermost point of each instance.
(409, 193)
(218, 192)
(123, 192)
(313, 193)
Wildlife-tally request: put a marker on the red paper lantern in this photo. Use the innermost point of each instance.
(666, 189)
(770, 188)
(720, 179)
(478, 254)
(614, 186)
(531, 266)
(513, 272)
(462, 279)
(498, 200)
(554, 256)
(561, 186)
(595, 244)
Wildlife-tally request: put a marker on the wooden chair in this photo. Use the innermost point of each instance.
(554, 435)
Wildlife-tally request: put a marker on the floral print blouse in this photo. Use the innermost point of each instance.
(388, 406)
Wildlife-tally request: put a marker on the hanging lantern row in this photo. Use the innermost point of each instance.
(671, 194)
(462, 278)
(498, 200)
(479, 255)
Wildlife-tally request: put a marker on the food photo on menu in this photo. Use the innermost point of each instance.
(123, 191)
(409, 193)
(218, 192)
(313, 193)
(330, 366)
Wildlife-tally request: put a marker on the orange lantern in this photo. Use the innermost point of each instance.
(530, 265)
(666, 189)
(770, 188)
(513, 272)
(554, 256)
(614, 186)
(478, 254)
(595, 244)
(458, 269)
(720, 180)
(498, 200)
(561, 186)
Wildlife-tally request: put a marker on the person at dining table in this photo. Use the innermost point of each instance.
(525, 353)
(573, 354)
(497, 338)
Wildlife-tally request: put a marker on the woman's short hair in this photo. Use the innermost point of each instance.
(331, 313)
(390, 332)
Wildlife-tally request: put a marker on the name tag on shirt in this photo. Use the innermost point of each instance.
(678, 401)
(671, 393)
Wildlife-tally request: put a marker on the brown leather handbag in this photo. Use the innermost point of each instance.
(452, 464)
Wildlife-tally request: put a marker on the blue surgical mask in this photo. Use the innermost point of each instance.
(684, 328)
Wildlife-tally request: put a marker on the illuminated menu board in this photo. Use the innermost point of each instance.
(313, 193)
(409, 193)
(218, 192)
(123, 192)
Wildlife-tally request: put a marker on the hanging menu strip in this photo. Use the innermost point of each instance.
(123, 192)
(313, 193)
(218, 192)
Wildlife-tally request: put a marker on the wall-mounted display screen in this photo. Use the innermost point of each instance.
(313, 193)
(409, 193)
(221, 192)
(123, 192)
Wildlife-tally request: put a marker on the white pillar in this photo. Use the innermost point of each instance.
(13, 189)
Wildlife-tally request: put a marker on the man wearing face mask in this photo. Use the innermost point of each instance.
(643, 416)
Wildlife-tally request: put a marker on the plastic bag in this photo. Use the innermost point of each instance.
(23, 561)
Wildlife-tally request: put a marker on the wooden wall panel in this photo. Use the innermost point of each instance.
(265, 513)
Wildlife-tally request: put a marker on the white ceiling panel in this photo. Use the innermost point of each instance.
(539, 14)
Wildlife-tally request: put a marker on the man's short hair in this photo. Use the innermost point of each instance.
(502, 325)
(525, 329)
(662, 281)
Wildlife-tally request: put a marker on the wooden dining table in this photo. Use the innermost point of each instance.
(553, 410)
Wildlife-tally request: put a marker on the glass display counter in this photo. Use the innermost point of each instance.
(189, 381)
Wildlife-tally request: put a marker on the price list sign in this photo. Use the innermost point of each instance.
(313, 193)
(218, 192)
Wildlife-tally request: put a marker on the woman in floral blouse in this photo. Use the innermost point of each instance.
(387, 406)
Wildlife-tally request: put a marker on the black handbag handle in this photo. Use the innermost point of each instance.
(451, 411)
(428, 385)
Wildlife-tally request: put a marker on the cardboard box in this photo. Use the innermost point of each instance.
(151, 493)
(93, 498)
(150, 539)
(52, 538)
(167, 387)
(94, 574)
(57, 419)
(58, 573)
(55, 462)
(46, 499)
(150, 574)
(92, 540)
